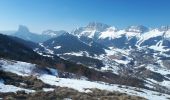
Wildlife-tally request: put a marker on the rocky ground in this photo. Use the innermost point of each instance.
(62, 93)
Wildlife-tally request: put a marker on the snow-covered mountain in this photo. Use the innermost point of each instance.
(136, 56)
(68, 43)
(92, 30)
(105, 47)
(130, 37)
(72, 48)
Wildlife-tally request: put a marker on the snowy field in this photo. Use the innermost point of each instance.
(25, 69)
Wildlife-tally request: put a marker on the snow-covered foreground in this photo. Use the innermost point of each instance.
(10, 88)
(84, 86)
(20, 68)
(80, 85)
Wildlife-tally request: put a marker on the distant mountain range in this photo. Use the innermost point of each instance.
(130, 37)
(135, 56)
(24, 33)
(133, 36)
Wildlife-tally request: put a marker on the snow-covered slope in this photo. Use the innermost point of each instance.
(24, 68)
(80, 85)
(11, 88)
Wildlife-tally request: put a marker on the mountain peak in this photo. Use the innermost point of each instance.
(97, 26)
(164, 28)
(23, 28)
(138, 29)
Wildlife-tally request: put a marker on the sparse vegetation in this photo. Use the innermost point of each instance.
(61, 92)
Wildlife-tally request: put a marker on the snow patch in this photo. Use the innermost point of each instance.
(122, 61)
(20, 68)
(48, 89)
(81, 53)
(46, 49)
(111, 33)
(159, 47)
(57, 47)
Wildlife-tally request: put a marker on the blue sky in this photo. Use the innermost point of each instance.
(40, 15)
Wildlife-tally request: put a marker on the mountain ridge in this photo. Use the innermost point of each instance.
(137, 57)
